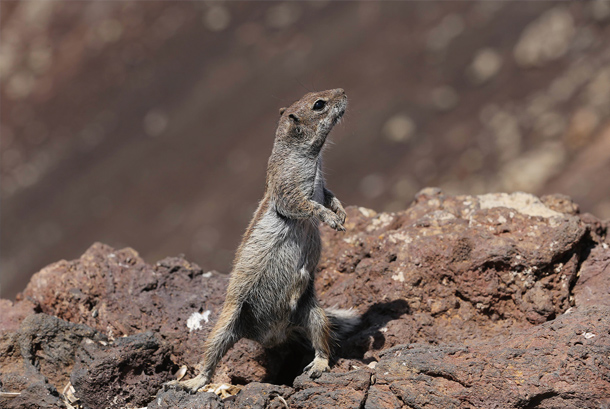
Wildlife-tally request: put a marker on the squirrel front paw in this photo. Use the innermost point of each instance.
(335, 206)
(333, 220)
(339, 211)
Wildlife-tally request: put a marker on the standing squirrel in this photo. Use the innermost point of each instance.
(271, 292)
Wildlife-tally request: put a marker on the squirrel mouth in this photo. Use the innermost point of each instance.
(339, 115)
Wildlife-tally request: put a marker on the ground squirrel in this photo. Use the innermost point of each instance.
(271, 292)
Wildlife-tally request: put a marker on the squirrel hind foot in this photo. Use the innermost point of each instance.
(317, 367)
(190, 385)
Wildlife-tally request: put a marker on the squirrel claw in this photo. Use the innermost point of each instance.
(316, 368)
(342, 215)
(333, 220)
(338, 209)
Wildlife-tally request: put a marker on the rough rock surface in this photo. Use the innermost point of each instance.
(495, 300)
(128, 372)
(562, 363)
(452, 269)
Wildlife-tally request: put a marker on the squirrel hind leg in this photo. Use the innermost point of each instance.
(318, 330)
(225, 334)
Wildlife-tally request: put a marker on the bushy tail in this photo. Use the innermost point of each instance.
(342, 322)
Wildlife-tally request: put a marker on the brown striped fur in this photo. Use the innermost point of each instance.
(271, 291)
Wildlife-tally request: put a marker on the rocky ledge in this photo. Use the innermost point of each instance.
(492, 301)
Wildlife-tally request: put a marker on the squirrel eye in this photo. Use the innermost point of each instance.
(319, 105)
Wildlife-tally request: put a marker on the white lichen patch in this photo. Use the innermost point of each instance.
(351, 239)
(367, 212)
(400, 236)
(381, 221)
(207, 275)
(434, 203)
(194, 321)
(524, 203)
(555, 221)
(588, 335)
(399, 276)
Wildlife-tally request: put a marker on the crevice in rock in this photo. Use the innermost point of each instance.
(583, 250)
(366, 393)
(445, 375)
(536, 400)
(398, 396)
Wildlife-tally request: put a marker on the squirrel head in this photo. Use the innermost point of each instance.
(306, 123)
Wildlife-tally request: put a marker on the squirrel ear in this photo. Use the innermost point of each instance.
(282, 110)
(294, 118)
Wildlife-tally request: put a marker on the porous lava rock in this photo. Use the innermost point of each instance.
(561, 363)
(497, 300)
(126, 373)
(452, 269)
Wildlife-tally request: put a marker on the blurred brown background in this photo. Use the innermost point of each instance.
(149, 124)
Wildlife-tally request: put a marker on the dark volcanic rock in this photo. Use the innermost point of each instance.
(253, 396)
(38, 395)
(128, 372)
(261, 396)
(343, 390)
(173, 399)
(116, 292)
(49, 344)
(43, 348)
(467, 301)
